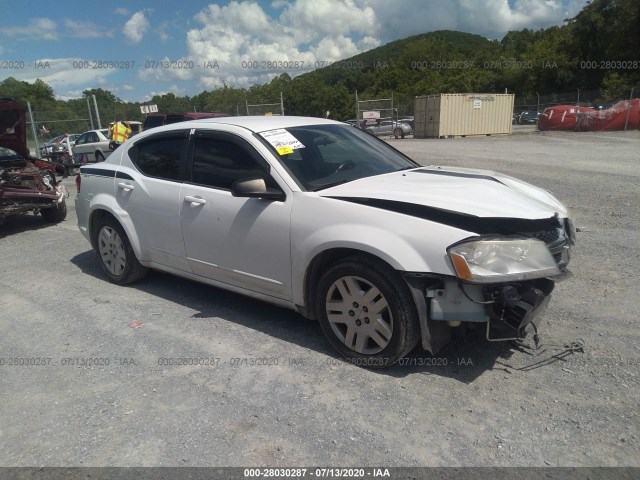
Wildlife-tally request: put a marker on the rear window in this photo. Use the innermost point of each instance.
(153, 121)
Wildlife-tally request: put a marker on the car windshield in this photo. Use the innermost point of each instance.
(321, 156)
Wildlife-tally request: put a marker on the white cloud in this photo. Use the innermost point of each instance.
(122, 11)
(36, 29)
(330, 48)
(245, 40)
(77, 29)
(492, 18)
(60, 73)
(313, 19)
(136, 27)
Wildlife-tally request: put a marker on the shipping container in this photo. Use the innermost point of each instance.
(461, 114)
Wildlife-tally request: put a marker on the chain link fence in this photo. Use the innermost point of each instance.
(598, 99)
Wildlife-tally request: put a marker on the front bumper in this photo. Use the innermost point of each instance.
(519, 309)
(509, 311)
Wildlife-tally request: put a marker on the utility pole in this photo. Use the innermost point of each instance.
(33, 129)
(95, 104)
(90, 116)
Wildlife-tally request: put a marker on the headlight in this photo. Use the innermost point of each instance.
(495, 261)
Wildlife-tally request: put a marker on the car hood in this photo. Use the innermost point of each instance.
(477, 193)
(13, 132)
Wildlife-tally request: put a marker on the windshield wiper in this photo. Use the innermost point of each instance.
(334, 184)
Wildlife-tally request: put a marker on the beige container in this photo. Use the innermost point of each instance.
(462, 114)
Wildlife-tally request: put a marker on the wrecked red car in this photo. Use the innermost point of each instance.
(27, 184)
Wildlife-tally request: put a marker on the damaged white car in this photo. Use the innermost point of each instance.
(320, 217)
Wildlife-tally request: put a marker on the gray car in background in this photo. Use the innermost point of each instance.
(387, 126)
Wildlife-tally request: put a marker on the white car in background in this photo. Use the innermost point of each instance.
(92, 146)
(325, 219)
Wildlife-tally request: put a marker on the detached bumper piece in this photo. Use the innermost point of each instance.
(518, 309)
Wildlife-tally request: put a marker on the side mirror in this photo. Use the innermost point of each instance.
(255, 188)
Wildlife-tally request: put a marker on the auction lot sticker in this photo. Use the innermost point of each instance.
(282, 141)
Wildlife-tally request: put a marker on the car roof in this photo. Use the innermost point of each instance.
(262, 123)
(101, 130)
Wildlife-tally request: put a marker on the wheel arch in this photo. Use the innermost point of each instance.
(102, 211)
(320, 263)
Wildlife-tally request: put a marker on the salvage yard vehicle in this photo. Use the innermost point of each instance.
(27, 184)
(92, 146)
(317, 216)
(387, 126)
(58, 145)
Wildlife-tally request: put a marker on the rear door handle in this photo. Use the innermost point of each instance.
(127, 187)
(194, 200)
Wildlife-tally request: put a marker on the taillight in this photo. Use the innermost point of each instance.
(78, 181)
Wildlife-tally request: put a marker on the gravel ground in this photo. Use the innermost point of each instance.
(274, 394)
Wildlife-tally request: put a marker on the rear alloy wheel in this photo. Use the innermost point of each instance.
(55, 214)
(367, 312)
(117, 258)
(398, 133)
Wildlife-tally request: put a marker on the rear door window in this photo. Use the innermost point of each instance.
(161, 156)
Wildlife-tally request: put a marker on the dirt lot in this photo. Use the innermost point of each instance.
(274, 394)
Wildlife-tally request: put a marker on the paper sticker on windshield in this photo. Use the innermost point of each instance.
(282, 141)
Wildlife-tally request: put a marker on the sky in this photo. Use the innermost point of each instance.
(150, 47)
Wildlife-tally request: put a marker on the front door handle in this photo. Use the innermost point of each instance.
(194, 201)
(127, 187)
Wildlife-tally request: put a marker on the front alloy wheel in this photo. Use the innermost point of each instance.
(359, 315)
(366, 311)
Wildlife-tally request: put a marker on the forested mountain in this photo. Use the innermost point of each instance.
(599, 49)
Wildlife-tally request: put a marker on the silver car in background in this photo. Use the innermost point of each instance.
(387, 126)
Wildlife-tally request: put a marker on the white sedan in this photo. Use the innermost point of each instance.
(325, 219)
(92, 146)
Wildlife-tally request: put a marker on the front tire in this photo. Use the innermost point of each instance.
(398, 133)
(366, 312)
(115, 254)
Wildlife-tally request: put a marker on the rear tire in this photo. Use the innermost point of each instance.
(55, 214)
(398, 133)
(115, 254)
(99, 157)
(367, 313)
